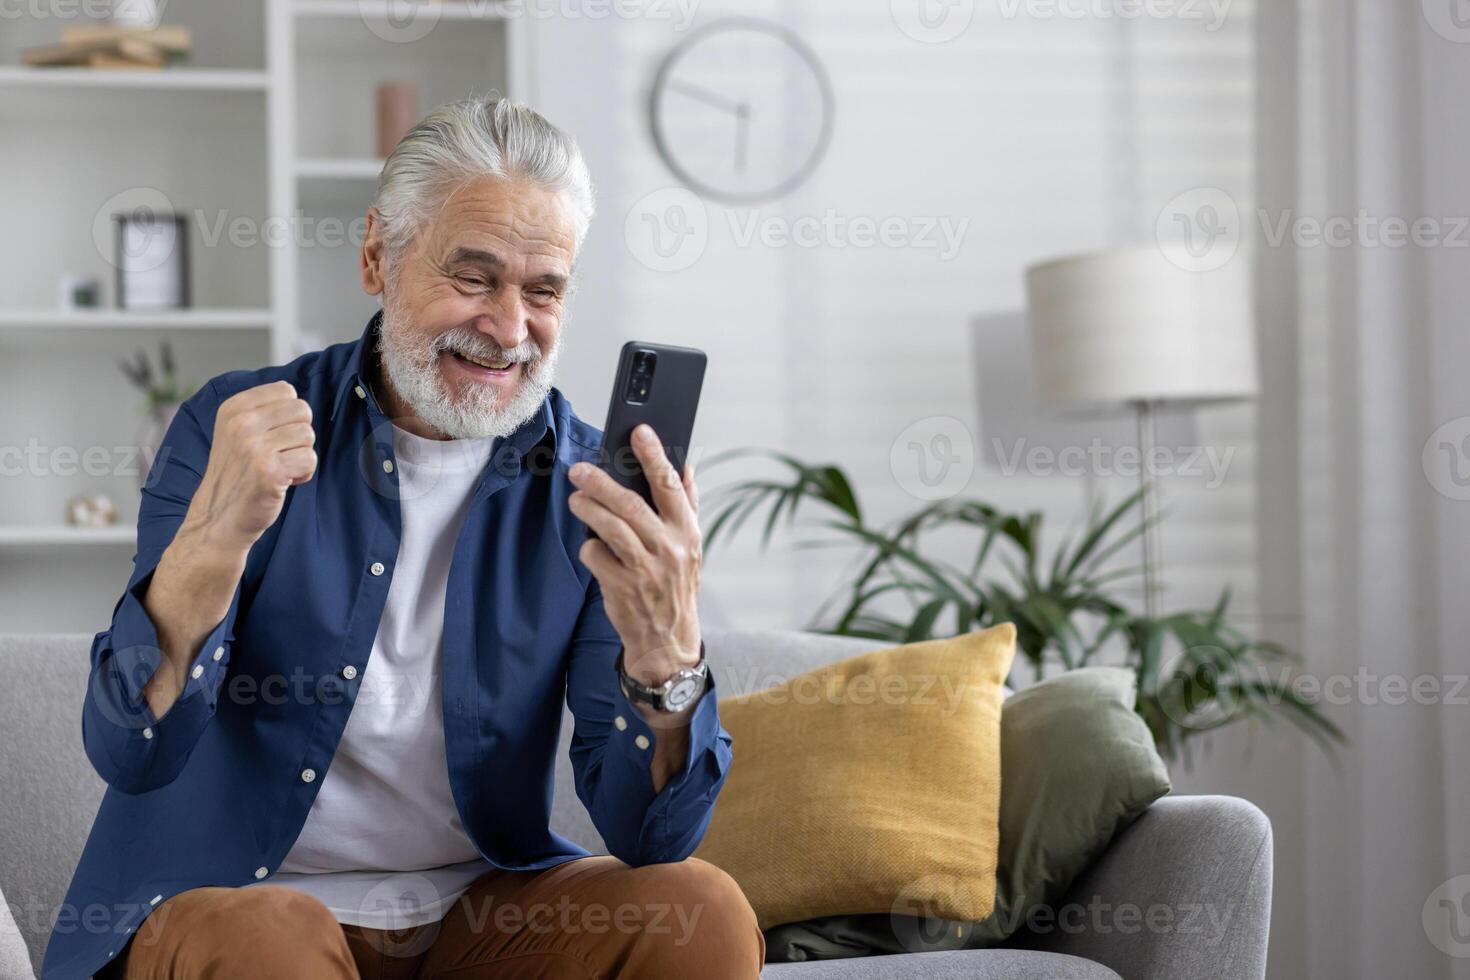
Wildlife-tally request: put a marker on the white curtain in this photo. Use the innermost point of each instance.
(1365, 456)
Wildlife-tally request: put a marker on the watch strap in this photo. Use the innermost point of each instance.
(657, 697)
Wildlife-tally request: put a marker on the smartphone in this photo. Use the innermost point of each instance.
(659, 385)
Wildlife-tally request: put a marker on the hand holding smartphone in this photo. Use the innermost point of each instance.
(658, 385)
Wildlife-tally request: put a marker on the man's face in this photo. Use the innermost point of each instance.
(472, 311)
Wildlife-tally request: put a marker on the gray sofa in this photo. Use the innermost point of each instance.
(1183, 894)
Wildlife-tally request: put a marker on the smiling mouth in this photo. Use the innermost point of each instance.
(492, 364)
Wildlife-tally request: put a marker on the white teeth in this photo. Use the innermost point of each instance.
(492, 365)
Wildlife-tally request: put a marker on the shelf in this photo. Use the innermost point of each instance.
(65, 535)
(196, 319)
(172, 79)
(400, 9)
(339, 169)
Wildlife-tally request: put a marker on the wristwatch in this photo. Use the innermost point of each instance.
(674, 695)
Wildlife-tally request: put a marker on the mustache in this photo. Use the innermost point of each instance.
(463, 340)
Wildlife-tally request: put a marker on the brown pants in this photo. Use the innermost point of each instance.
(590, 918)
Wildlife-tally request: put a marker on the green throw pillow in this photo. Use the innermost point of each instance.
(1077, 766)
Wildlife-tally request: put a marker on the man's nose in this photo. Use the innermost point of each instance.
(503, 318)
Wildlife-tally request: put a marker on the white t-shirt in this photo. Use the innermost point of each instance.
(383, 845)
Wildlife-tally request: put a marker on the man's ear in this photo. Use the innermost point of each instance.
(374, 260)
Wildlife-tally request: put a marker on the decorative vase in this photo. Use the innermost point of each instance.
(398, 112)
(150, 437)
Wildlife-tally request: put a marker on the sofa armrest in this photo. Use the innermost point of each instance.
(15, 959)
(1185, 891)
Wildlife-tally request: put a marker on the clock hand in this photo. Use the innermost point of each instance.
(706, 96)
(742, 134)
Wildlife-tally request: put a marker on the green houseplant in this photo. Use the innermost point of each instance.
(163, 393)
(1196, 672)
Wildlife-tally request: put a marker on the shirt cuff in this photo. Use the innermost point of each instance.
(634, 741)
(137, 654)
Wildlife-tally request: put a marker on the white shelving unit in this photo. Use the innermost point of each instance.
(383, 10)
(174, 79)
(65, 536)
(103, 319)
(364, 169)
(268, 121)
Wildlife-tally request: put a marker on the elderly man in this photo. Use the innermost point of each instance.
(328, 705)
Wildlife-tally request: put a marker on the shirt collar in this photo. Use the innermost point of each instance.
(351, 380)
(538, 428)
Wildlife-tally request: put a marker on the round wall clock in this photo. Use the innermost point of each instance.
(741, 110)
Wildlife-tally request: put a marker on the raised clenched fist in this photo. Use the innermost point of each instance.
(262, 447)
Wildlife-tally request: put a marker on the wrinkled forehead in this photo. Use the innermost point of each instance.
(517, 226)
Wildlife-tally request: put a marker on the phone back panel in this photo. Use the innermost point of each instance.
(669, 407)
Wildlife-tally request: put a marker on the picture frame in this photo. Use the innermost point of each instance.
(151, 259)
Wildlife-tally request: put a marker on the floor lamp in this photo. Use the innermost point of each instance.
(1130, 328)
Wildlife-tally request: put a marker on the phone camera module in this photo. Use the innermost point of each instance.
(640, 378)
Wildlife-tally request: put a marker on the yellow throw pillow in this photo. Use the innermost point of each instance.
(869, 785)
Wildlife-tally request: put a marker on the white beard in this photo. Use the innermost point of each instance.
(412, 367)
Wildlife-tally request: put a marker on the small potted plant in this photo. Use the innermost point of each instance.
(163, 393)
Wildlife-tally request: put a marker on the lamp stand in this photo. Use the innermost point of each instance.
(1153, 555)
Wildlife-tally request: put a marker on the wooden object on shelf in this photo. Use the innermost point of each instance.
(119, 62)
(129, 54)
(170, 38)
(57, 55)
(111, 46)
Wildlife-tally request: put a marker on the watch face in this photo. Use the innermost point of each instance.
(682, 693)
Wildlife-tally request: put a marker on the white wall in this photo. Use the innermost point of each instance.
(1037, 137)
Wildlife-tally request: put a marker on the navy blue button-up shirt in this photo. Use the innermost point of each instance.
(212, 793)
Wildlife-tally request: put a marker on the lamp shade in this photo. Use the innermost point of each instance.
(1128, 325)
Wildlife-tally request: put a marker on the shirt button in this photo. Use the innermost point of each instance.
(308, 775)
(377, 568)
(147, 733)
(641, 741)
(349, 672)
(155, 900)
(360, 392)
(219, 652)
(197, 672)
(620, 723)
(387, 466)
(261, 872)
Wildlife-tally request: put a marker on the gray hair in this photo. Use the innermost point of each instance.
(470, 139)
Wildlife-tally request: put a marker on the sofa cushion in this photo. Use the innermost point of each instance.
(987, 964)
(48, 791)
(868, 782)
(1101, 771)
(743, 662)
